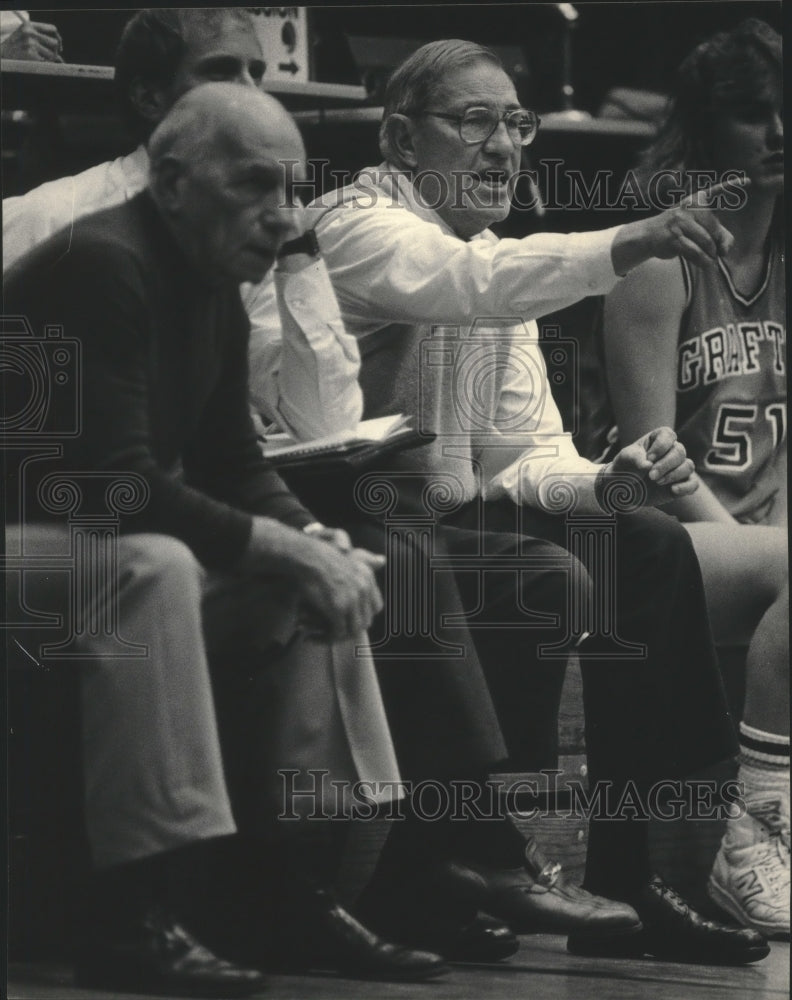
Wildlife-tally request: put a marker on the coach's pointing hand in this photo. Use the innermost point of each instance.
(690, 230)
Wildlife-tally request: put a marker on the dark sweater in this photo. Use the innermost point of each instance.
(164, 378)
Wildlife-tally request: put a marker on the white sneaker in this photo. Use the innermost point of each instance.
(750, 877)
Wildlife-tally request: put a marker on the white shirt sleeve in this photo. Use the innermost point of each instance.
(33, 217)
(303, 364)
(10, 21)
(530, 451)
(389, 265)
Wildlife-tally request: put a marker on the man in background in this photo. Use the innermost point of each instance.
(303, 364)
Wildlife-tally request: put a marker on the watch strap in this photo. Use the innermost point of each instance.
(307, 244)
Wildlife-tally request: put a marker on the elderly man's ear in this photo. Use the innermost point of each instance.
(400, 133)
(166, 182)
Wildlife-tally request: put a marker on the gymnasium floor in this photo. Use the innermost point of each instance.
(540, 971)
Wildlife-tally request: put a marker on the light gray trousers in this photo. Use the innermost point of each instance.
(153, 767)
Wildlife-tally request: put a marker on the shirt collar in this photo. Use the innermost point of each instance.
(387, 181)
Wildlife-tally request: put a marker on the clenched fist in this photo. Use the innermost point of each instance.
(660, 461)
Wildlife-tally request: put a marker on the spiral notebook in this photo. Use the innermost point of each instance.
(370, 439)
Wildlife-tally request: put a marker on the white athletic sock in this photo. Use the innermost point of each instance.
(764, 762)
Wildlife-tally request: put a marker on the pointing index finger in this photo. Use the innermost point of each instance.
(708, 197)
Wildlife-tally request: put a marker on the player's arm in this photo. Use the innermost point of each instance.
(641, 326)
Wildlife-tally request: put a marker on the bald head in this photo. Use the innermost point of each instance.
(222, 120)
(223, 164)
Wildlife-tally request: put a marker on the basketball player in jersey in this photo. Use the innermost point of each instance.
(702, 350)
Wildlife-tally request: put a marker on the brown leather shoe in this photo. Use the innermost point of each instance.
(534, 899)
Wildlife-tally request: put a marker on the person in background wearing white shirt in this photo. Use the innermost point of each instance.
(304, 366)
(445, 318)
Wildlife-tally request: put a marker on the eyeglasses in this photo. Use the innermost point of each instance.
(476, 125)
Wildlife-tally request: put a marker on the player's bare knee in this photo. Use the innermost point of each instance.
(782, 601)
(778, 564)
(765, 562)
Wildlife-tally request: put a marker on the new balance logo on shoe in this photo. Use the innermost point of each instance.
(750, 877)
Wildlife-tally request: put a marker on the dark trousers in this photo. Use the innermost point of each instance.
(658, 714)
(440, 712)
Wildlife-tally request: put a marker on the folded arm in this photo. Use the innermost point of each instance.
(303, 364)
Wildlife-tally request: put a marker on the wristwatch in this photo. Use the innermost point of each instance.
(307, 244)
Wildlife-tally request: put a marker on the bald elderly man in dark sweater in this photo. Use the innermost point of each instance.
(221, 563)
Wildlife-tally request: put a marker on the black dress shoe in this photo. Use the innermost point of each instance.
(534, 899)
(673, 931)
(410, 914)
(481, 938)
(158, 955)
(331, 938)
